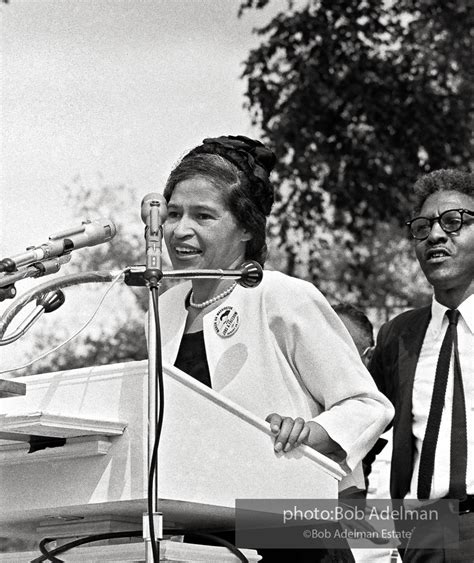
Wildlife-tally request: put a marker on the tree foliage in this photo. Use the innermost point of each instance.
(357, 99)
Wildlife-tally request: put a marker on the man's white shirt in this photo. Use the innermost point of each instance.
(423, 390)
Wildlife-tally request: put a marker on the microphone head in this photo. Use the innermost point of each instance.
(108, 227)
(51, 301)
(93, 232)
(252, 274)
(150, 199)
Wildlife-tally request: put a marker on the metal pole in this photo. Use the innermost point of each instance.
(153, 405)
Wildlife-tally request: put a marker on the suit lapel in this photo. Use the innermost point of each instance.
(410, 342)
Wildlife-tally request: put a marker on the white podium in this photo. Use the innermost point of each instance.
(94, 478)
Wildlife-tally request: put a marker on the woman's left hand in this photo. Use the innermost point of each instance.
(292, 432)
(289, 432)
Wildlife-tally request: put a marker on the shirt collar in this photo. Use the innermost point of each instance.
(438, 311)
(467, 311)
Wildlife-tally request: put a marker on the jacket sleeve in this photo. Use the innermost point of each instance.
(324, 357)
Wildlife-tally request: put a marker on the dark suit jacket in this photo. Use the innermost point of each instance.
(393, 367)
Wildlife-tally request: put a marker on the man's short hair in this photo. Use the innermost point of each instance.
(442, 180)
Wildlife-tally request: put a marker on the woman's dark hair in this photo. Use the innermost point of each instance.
(241, 165)
(442, 180)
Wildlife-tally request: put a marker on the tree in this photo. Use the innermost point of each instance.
(357, 99)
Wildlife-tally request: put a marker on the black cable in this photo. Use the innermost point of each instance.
(154, 458)
(50, 555)
(220, 541)
(46, 553)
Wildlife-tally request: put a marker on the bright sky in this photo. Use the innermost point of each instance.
(116, 87)
(120, 88)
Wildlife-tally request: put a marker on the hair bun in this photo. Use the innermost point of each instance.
(249, 156)
(261, 155)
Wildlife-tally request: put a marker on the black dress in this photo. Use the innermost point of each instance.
(192, 357)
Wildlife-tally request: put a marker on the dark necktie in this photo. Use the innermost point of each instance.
(458, 457)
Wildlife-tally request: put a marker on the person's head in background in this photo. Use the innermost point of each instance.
(359, 327)
(443, 233)
(230, 175)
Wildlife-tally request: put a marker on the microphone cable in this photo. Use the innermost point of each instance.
(153, 469)
(47, 555)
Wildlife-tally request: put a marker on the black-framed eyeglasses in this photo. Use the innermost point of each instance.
(450, 221)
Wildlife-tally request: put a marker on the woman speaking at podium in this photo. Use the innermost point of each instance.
(278, 349)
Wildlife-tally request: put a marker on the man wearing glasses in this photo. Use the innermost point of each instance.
(424, 362)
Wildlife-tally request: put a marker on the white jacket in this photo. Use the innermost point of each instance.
(281, 348)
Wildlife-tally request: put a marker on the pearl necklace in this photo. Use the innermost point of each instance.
(213, 299)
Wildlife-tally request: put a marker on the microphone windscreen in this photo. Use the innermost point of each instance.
(146, 205)
(252, 274)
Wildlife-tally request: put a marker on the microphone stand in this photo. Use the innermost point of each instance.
(153, 212)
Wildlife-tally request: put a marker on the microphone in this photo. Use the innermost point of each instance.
(153, 202)
(89, 233)
(251, 274)
(153, 213)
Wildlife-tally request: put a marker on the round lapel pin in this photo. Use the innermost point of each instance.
(226, 322)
